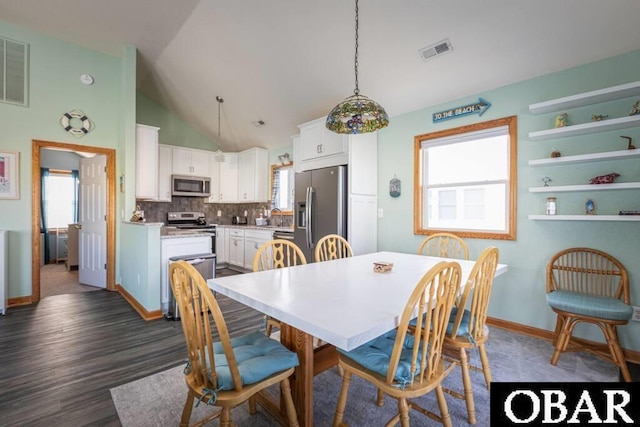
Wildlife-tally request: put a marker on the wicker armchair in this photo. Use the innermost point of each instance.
(591, 286)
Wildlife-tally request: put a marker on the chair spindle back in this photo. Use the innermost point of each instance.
(332, 246)
(588, 271)
(199, 310)
(445, 245)
(431, 301)
(278, 253)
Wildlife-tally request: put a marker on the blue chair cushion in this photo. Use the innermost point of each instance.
(257, 356)
(376, 354)
(590, 305)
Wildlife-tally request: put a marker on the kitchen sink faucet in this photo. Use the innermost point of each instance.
(280, 212)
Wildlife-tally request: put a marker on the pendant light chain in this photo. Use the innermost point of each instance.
(357, 114)
(356, 90)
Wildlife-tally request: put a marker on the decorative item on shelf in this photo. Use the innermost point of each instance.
(551, 206)
(630, 146)
(562, 120)
(284, 159)
(546, 180)
(382, 267)
(555, 153)
(590, 207)
(635, 110)
(604, 179)
(599, 117)
(218, 156)
(357, 113)
(138, 215)
(629, 213)
(394, 186)
(76, 123)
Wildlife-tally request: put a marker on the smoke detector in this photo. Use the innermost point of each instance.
(436, 49)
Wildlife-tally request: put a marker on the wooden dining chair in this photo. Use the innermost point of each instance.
(445, 245)
(467, 331)
(403, 365)
(231, 371)
(277, 253)
(332, 246)
(591, 286)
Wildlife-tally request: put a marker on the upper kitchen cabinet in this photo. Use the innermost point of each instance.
(146, 162)
(253, 175)
(215, 179)
(318, 147)
(187, 161)
(229, 178)
(164, 173)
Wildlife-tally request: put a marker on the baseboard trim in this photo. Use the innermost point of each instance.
(18, 301)
(143, 312)
(631, 355)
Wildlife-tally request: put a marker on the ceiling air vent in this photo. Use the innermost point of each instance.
(436, 49)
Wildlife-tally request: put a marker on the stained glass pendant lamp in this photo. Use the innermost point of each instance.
(357, 113)
(218, 156)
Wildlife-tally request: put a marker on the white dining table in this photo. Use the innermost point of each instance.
(342, 302)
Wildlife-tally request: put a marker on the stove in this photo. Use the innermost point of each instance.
(188, 220)
(180, 223)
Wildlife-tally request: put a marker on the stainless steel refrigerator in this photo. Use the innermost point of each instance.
(320, 206)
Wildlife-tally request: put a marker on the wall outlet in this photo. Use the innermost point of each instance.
(636, 314)
(219, 212)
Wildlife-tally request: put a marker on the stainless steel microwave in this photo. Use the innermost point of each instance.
(194, 186)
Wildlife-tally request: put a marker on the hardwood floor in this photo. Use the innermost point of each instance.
(59, 358)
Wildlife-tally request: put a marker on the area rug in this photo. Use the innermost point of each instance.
(157, 400)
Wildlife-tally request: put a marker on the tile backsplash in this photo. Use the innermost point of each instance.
(157, 211)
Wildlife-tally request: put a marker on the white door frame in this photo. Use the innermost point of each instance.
(37, 145)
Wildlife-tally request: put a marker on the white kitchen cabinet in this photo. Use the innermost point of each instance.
(178, 246)
(363, 164)
(236, 247)
(187, 161)
(164, 173)
(146, 162)
(221, 248)
(253, 239)
(363, 224)
(4, 275)
(319, 147)
(253, 182)
(229, 178)
(215, 180)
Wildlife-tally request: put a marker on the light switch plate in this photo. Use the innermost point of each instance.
(380, 213)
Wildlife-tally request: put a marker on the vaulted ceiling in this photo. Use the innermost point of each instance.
(289, 61)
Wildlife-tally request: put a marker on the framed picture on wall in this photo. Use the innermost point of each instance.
(9, 175)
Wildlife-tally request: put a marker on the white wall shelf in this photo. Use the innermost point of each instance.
(586, 158)
(586, 128)
(584, 217)
(585, 187)
(587, 98)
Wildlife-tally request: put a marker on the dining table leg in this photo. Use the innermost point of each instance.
(302, 382)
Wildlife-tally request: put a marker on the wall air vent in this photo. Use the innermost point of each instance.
(14, 66)
(436, 49)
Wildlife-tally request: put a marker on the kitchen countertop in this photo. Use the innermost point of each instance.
(259, 227)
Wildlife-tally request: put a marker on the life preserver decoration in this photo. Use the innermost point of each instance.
(77, 131)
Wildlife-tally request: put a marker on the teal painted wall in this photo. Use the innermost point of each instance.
(519, 295)
(141, 264)
(55, 88)
(173, 130)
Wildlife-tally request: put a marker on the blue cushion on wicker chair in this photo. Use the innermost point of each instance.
(257, 356)
(376, 354)
(590, 305)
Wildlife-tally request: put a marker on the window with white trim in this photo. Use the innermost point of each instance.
(466, 180)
